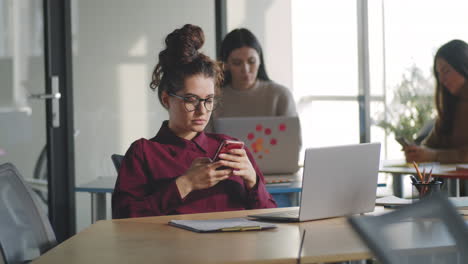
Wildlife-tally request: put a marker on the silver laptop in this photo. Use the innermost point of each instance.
(273, 141)
(337, 181)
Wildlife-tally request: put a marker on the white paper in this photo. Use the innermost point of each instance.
(392, 200)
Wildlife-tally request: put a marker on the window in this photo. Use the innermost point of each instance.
(403, 35)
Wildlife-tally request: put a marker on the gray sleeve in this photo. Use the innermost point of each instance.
(286, 105)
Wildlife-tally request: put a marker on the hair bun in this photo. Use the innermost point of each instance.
(183, 44)
(181, 60)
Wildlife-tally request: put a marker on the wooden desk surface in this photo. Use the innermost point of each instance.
(151, 239)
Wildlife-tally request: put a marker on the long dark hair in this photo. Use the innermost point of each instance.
(181, 59)
(239, 38)
(455, 53)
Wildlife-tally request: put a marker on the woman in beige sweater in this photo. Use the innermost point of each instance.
(448, 141)
(247, 89)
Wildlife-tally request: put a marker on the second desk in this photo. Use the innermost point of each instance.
(285, 194)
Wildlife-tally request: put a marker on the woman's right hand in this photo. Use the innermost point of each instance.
(202, 174)
(419, 154)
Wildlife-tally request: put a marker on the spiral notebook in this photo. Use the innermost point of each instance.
(221, 225)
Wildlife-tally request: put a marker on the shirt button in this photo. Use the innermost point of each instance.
(172, 152)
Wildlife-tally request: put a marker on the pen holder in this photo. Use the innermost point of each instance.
(422, 190)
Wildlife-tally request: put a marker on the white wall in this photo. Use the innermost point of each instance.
(115, 47)
(270, 21)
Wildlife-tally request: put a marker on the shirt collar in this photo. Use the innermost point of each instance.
(201, 140)
(165, 135)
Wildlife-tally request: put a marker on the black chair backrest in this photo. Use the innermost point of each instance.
(117, 160)
(428, 231)
(25, 231)
(2, 256)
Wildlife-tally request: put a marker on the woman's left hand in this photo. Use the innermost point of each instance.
(239, 161)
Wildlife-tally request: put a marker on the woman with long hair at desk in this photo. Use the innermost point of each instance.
(172, 173)
(448, 140)
(247, 81)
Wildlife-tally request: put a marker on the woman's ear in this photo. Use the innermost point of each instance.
(165, 99)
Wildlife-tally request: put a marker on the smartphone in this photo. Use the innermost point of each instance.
(403, 141)
(224, 147)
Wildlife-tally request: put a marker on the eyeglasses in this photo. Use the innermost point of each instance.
(192, 102)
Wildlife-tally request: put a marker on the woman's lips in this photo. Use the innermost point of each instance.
(199, 121)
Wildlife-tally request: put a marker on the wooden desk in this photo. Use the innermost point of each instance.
(285, 194)
(152, 240)
(448, 171)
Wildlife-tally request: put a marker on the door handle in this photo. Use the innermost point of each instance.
(55, 97)
(45, 96)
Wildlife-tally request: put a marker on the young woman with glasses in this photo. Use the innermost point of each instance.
(173, 173)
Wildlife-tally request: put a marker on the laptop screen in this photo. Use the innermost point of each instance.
(339, 180)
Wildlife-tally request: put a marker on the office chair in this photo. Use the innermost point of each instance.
(40, 174)
(25, 231)
(429, 231)
(2, 256)
(117, 160)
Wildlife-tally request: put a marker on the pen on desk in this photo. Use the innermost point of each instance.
(300, 247)
(241, 228)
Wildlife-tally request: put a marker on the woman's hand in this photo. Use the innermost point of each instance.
(202, 174)
(419, 154)
(238, 160)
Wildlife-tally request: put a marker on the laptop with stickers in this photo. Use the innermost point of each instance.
(273, 141)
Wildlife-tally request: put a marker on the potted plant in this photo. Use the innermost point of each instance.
(411, 108)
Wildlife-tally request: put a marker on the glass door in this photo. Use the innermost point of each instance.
(35, 123)
(23, 119)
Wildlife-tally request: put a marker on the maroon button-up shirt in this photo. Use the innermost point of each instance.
(146, 182)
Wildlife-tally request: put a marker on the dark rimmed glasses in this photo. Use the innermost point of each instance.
(192, 102)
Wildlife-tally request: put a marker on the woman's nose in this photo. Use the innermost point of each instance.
(245, 67)
(200, 109)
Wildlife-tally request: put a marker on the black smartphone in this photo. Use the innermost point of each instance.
(403, 141)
